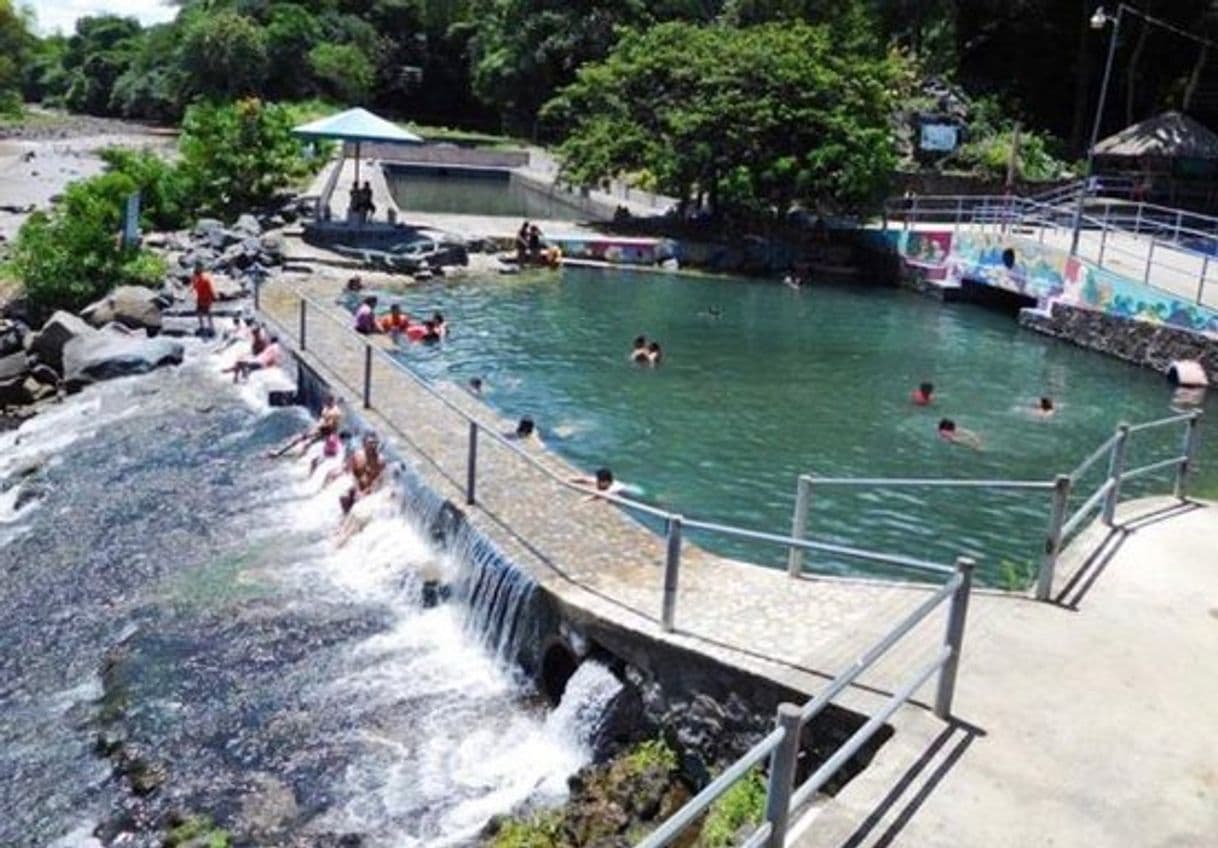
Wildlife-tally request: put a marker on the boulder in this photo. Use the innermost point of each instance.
(45, 374)
(60, 329)
(202, 255)
(12, 336)
(247, 225)
(14, 365)
(206, 226)
(106, 355)
(226, 288)
(13, 393)
(132, 306)
(38, 391)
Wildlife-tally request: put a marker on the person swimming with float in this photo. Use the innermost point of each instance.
(921, 396)
(395, 322)
(949, 432)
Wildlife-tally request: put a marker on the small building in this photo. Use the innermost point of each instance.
(1169, 159)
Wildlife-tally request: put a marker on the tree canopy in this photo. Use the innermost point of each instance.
(756, 118)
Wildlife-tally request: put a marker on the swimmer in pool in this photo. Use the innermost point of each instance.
(602, 484)
(654, 355)
(949, 432)
(475, 386)
(526, 431)
(1045, 407)
(921, 395)
(638, 353)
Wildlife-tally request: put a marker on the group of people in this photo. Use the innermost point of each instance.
(362, 459)
(646, 353)
(950, 432)
(264, 349)
(360, 206)
(531, 250)
(399, 324)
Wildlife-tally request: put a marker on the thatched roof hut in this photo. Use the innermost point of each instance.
(1171, 135)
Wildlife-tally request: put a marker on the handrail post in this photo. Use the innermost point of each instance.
(959, 212)
(1150, 255)
(956, 615)
(782, 774)
(304, 309)
(799, 524)
(1192, 439)
(1104, 235)
(471, 464)
(367, 376)
(1053, 540)
(672, 569)
(1205, 267)
(1116, 468)
(257, 293)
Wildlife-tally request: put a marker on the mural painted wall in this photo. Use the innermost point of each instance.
(618, 251)
(1045, 273)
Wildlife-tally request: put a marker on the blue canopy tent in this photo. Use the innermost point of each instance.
(357, 125)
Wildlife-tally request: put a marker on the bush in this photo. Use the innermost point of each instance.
(743, 804)
(238, 156)
(165, 192)
(72, 256)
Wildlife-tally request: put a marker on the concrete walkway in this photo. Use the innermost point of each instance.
(1089, 725)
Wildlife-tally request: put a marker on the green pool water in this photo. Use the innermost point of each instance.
(463, 192)
(782, 382)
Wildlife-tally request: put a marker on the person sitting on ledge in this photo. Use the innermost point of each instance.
(269, 357)
(949, 432)
(522, 244)
(328, 422)
(365, 317)
(367, 468)
(921, 395)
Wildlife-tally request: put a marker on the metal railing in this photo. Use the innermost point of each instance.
(1165, 249)
(1062, 522)
(782, 744)
(478, 430)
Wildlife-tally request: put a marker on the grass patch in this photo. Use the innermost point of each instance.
(539, 831)
(1016, 576)
(653, 753)
(743, 804)
(198, 828)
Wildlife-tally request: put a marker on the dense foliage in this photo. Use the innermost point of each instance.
(233, 158)
(72, 255)
(756, 119)
(15, 45)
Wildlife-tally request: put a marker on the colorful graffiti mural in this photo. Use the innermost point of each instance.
(1045, 273)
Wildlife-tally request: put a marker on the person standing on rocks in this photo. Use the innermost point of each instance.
(205, 296)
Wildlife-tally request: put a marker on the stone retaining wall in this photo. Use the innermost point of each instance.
(1152, 345)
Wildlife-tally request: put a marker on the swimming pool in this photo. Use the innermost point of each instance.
(475, 191)
(762, 383)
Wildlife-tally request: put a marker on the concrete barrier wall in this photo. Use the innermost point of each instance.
(442, 154)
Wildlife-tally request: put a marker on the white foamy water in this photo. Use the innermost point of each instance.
(448, 735)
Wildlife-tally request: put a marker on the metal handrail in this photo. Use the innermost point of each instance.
(689, 812)
(782, 744)
(1062, 522)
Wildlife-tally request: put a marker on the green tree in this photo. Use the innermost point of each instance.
(524, 50)
(755, 118)
(238, 156)
(224, 55)
(97, 55)
(72, 255)
(291, 32)
(15, 43)
(343, 71)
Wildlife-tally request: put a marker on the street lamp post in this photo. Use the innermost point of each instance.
(1098, 21)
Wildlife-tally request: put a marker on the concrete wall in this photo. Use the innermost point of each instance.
(442, 154)
(1152, 345)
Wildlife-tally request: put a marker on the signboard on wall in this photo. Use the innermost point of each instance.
(939, 137)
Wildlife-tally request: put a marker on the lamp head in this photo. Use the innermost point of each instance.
(1100, 18)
